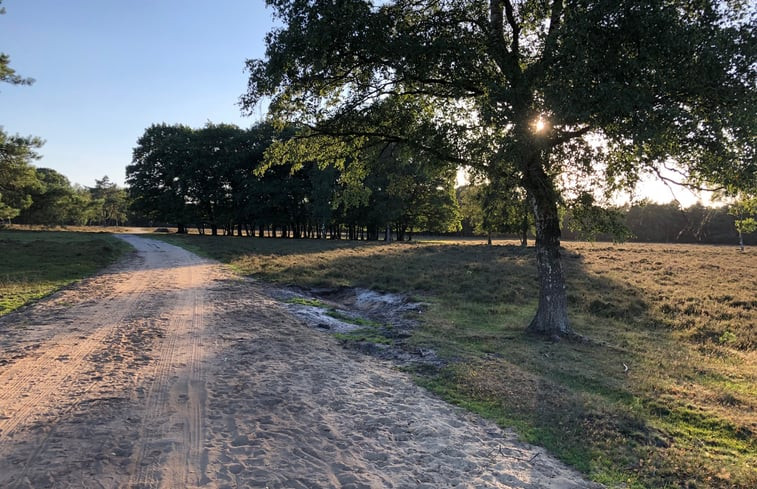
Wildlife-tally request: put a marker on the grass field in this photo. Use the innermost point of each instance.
(664, 394)
(35, 263)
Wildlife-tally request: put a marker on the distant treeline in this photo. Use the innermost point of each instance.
(46, 197)
(658, 223)
(31, 195)
(668, 223)
(214, 179)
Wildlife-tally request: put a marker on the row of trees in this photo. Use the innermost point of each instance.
(53, 201)
(30, 195)
(214, 178)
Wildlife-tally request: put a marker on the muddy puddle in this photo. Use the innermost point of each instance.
(377, 323)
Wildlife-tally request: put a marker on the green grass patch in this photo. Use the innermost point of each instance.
(34, 264)
(356, 320)
(364, 335)
(306, 302)
(370, 332)
(662, 396)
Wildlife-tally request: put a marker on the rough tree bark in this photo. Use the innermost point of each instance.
(552, 314)
(551, 317)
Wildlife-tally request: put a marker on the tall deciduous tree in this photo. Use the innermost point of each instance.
(528, 90)
(157, 176)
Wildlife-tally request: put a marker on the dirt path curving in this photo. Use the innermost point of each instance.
(169, 372)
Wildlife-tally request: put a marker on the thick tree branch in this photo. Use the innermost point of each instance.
(555, 20)
(667, 181)
(550, 43)
(510, 13)
(565, 136)
(497, 21)
(505, 60)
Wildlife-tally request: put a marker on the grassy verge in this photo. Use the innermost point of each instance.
(665, 394)
(34, 264)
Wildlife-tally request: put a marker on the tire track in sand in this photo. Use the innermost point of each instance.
(159, 291)
(172, 432)
(30, 381)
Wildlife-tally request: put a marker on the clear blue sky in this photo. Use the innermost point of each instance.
(106, 69)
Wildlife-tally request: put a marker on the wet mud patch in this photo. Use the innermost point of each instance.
(372, 322)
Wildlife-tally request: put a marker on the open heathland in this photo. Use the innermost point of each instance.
(35, 263)
(662, 390)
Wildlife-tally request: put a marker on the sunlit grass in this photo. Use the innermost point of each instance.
(663, 395)
(35, 263)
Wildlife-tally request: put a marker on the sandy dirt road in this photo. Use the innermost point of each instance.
(167, 371)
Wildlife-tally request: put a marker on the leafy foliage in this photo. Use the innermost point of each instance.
(491, 208)
(590, 220)
(745, 212)
(17, 176)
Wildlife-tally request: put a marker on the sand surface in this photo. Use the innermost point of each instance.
(167, 371)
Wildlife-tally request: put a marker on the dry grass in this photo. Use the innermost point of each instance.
(664, 394)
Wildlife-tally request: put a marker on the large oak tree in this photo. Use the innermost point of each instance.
(549, 93)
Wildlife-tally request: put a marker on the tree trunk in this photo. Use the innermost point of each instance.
(401, 232)
(551, 318)
(552, 314)
(489, 238)
(741, 241)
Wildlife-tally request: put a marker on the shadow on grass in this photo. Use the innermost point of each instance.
(623, 407)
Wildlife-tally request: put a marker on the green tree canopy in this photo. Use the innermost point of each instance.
(522, 90)
(50, 200)
(111, 202)
(18, 179)
(215, 176)
(744, 210)
(156, 177)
